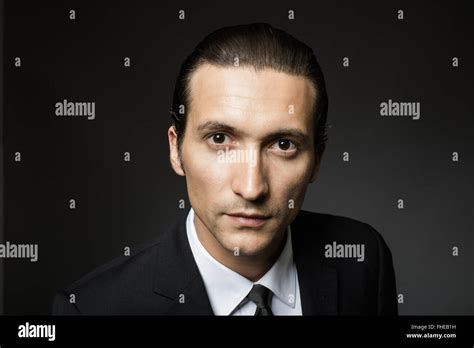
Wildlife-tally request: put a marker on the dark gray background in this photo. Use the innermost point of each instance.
(122, 204)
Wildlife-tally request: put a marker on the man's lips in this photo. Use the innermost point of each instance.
(249, 219)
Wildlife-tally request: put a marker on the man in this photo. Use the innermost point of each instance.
(249, 111)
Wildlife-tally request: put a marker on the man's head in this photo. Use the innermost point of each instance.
(249, 111)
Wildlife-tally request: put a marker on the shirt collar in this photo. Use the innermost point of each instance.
(226, 289)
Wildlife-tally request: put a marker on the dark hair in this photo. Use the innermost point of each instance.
(261, 46)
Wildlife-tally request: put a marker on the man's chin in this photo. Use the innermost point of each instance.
(247, 248)
(245, 251)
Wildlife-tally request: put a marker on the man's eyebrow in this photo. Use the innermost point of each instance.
(215, 126)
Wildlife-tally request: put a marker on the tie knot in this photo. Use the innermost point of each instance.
(259, 294)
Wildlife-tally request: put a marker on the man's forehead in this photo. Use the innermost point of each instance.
(240, 88)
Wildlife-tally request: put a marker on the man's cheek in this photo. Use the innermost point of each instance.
(290, 185)
(203, 166)
(208, 164)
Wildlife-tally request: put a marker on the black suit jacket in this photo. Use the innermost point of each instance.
(162, 278)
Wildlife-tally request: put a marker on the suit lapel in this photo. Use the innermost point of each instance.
(177, 276)
(318, 283)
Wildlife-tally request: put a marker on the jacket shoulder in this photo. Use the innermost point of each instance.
(359, 254)
(112, 287)
(331, 227)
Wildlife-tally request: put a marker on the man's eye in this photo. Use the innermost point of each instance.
(285, 145)
(218, 138)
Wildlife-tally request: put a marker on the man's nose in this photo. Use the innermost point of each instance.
(249, 179)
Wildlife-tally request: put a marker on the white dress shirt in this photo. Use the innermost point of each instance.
(227, 290)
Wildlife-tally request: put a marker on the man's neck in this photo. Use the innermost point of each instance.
(252, 267)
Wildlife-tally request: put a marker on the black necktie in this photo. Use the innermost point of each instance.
(259, 294)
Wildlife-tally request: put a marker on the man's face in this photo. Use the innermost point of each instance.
(247, 149)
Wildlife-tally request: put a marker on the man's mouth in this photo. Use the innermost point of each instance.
(249, 219)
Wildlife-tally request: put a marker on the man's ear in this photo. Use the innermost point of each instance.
(317, 162)
(174, 153)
